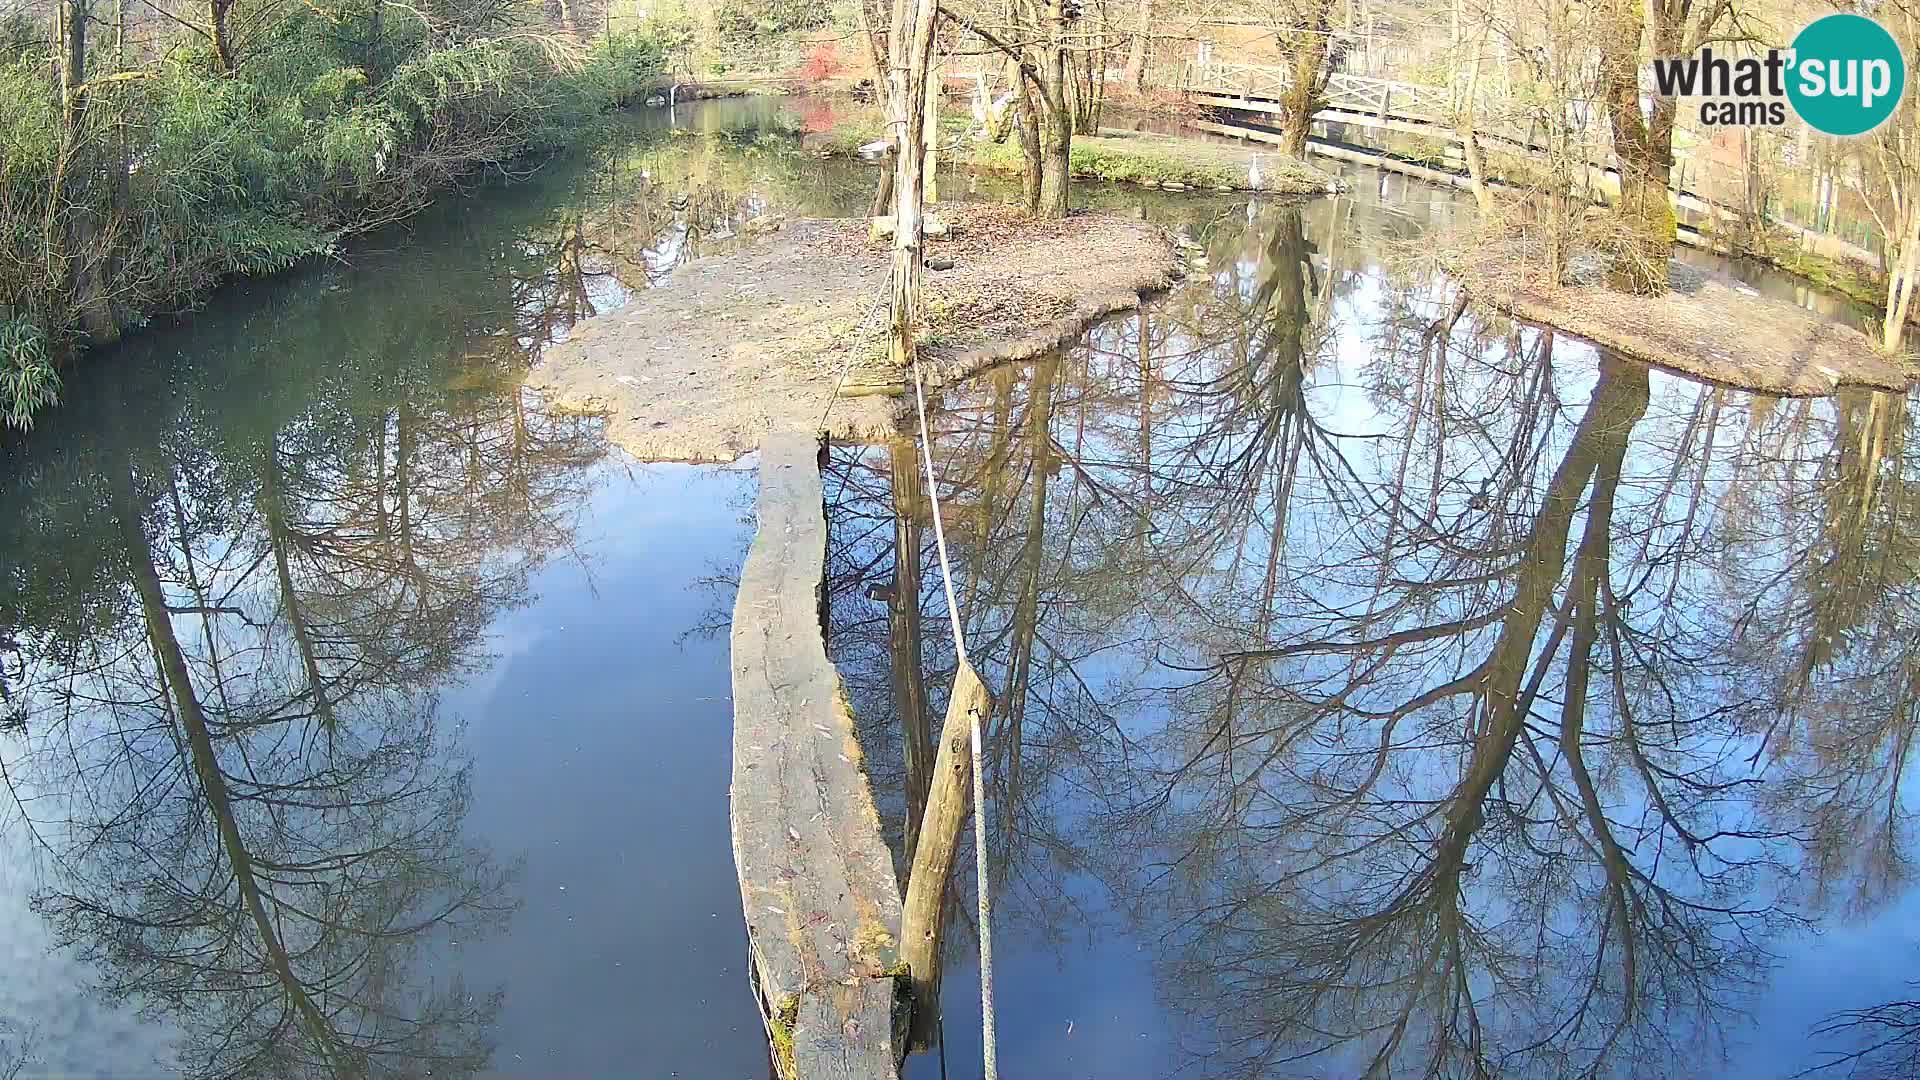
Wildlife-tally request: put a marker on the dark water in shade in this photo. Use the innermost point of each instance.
(363, 716)
(1389, 686)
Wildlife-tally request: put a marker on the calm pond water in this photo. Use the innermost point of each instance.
(1390, 689)
(363, 715)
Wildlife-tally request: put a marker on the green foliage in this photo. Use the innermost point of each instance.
(1121, 164)
(621, 66)
(1139, 166)
(29, 149)
(21, 38)
(28, 382)
(748, 23)
(177, 176)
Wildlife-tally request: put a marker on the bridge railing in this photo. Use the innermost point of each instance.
(1388, 97)
(1348, 92)
(1242, 80)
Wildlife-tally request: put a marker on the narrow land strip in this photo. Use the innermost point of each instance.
(1702, 326)
(816, 879)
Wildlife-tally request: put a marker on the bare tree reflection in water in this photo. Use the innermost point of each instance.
(239, 773)
(1883, 1042)
(1477, 708)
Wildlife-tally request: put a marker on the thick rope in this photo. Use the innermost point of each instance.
(973, 716)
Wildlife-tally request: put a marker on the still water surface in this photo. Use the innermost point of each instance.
(1391, 689)
(364, 715)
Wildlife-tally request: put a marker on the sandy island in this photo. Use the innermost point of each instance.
(742, 344)
(1701, 326)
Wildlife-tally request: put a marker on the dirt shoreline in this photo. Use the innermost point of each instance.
(1702, 326)
(738, 345)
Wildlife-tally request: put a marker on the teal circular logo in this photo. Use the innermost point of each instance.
(1847, 75)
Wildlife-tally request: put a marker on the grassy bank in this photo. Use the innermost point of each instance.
(135, 190)
(1163, 161)
(1168, 162)
(1855, 281)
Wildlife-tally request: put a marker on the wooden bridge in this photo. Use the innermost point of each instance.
(1362, 100)
(1255, 90)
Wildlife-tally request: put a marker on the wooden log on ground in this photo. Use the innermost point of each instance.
(817, 882)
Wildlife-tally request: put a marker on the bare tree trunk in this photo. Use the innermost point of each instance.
(1753, 190)
(1056, 156)
(217, 29)
(1470, 139)
(377, 41)
(1095, 97)
(76, 251)
(1086, 85)
(910, 50)
(1901, 279)
(1056, 135)
(930, 166)
(1559, 142)
(1645, 165)
(876, 55)
(1137, 52)
(72, 53)
(1028, 123)
(1302, 99)
(1453, 50)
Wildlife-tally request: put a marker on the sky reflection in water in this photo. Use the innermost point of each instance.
(365, 713)
(1389, 686)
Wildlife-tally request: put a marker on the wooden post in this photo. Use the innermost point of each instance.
(930, 169)
(910, 48)
(949, 803)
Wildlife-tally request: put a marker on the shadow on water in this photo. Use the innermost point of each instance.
(1388, 688)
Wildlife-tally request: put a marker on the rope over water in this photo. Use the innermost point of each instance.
(991, 1069)
(973, 717)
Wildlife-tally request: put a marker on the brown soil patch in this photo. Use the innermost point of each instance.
(739, 345)
(1702, 326)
